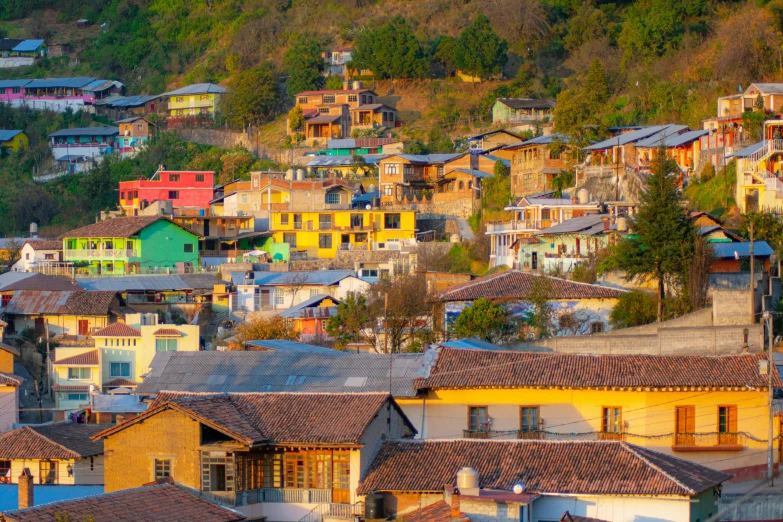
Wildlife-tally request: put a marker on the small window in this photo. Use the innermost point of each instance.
(189, 247)
(357, 221)
(597, 327)
(180, 99)
(79, 374)
(390, 169)
(324, 240)
(407, 171)
(302, 99)
(82, 397)
(47, 472)
(323, 110)
(6, 299)
(352, 98)
(279, 296)
(244, 198)
(49, 257)
(173, 194)
(5, 471)
(290, 239)
(388, 190)
(611, 422)
(313, 292)
(119, 369)
(162, 468)
(173, 177)
(528, 421)
(324, 221)
(329, 98)
(199, 178)
(333, 198)
(166, 345)
(283, 219)
(391, 221)
(477, 418)
(727, 425)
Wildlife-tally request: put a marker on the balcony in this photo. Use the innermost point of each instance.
(696, 442)
(526, 225)
(280, 495)
(99, 253)
(503, 434)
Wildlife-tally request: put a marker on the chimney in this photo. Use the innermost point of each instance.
(605, 219)
(26, 489)
(574, 199)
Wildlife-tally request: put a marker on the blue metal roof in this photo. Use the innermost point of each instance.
(98, 85)
(295, 311)
(747, 151)
(540, 140)
(472, 343)
(730, 250)
(312, 278)
(8, 135)
(686, 137)
(343, 161)
(87, 131)
(9, 84)
(348, 143)
(198, 88)
(53, 83)
(281, 345)
(429, 158)
(9, 498)
(133, 101)
(505, 162)
(659, 138)
(367, 197)
(28, 46)
(628, 137)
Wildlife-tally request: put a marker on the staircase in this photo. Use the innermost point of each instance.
(215, 319)
(333, 511)
(755, 168)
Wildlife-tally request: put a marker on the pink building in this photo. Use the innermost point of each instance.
(57, 94)
(192, 189)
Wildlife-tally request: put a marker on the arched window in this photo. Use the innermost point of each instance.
(470, 185)
(461, 185)
(597, 327)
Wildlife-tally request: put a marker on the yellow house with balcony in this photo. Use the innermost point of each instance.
(321, 234)
(200, 99)
(710, 410)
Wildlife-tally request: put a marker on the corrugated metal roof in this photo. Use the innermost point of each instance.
(133, 101)
(281, 345)
(296, 311)
(474, 173)
(149, 282)
(505, 162)
(343, 161)
(197, 88)
(472, 343)
(769, 88)
(585, 225)
(539, 140)
(347, 143)
(527, 103)
(367, 197)
(74, 83)
(28, 46)
(324, 118)
(8, 84)
(87, 131)
(628, 137)
(747, 151)
(98, 85)
(117, 403)
(25, 302)
(429, 158)
(313, 278)
(686, 137)
(730, 250)
(254, 371)
(8, 135)
(660, 137)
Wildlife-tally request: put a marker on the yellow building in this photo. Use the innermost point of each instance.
(321, 234)
(200, 99)
(710, 410)
(121, 354)
(9, 384)
(13, 140)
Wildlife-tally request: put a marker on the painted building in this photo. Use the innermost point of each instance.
(321, 234)
(36, 254)
(522, 111)
(134, 134)
(197, 100)
(335, 114)
(77, 150)
(56, 454)
(711, 410)
(59, 312)
(309, 317)
(225, 236)
(618, 153)
(9, 384)
(759, 184)
(34, 48)
(406, 177)
(487, 142)
(329, 166)
(13, 140)
(579, 308)
(191, 189)
(615, 481)
(131, 245)
(536, 162)
(564, 246)
(57, 94)
(118, 107)
(279, 456)
(362, 146)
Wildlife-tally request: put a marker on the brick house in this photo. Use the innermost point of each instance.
(534, 163)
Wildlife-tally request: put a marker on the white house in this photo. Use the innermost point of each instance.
(39, 252)
(78, 149)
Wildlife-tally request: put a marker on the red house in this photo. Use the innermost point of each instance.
(192, 189)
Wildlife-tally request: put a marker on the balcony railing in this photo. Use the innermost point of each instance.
(521, 225)
(280, 495)
(690, 442)
(100, 253)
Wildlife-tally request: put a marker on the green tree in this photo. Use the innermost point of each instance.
(634, 309)
(596, 90)
(252, 97)
(334, 83)
(542, 318)
(707, 172)
(304, 63)
(353, 321)
(482, 319)
(390, 51)
(296, 119)
(766, 227)
(662, 242)
(479, 51)
(444, 48)
(651, 27)
(500, 169)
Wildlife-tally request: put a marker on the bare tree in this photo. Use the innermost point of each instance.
(406, 314)
(294, 283)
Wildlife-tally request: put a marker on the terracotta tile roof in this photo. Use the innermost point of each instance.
(9, 379)
(41, 282)
(169, 332)
(92, 302)
(61, 440)
(145, 504)
(554, 467)
(60, 302)
(71, 387)
(85, 359)
(466, 368)
(277, 418)
(117, 330)
(121, 382)
(45, 244)
(437, 512)
(117, 227)
(514, 284)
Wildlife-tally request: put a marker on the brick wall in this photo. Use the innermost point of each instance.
(487, 511)
(731, 306)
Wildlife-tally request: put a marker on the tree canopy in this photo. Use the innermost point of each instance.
(252, 97)
(390, 51)
(479, 51)
(484, 320)
(304, 64)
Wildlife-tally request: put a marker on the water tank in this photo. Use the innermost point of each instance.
(583, 196)
(33, 229)
(373, 506)
(372, 188)
(622, 224)
(300, 173)
(467, 478)
(289, 174)
(356, 85)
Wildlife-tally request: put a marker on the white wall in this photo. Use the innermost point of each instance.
(9, 407)
(613, 509)
(83, 473)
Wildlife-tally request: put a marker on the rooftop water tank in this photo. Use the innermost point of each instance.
(300, 174)
(467, 478)
(622, 224)
(33, 229)
(289, 174)
(373, 506)
(583, 196)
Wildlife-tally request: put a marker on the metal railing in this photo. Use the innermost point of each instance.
(278, 495)
(99, 253)
(520, 225)
(334, 510)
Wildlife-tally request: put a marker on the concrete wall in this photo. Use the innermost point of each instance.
(761, 506)
(613, 509)
(218, 138)
(9, 410)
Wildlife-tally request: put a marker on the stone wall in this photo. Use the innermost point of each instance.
(731, 306)
(216, 137)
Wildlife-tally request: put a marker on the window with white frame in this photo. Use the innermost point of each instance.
(333, 198)
(279, 296)
(77, 397)
(79, 374)
(390, 169)
(166, 344)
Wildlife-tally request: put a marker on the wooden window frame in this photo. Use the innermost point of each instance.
(479, 433)
(729, 437)
(530, 434)
(611, 435)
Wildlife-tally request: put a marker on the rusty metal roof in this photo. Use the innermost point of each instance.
(64, 302)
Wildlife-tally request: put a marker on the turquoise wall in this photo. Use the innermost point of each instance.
(163, 244)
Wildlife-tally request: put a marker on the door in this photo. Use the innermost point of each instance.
(206, 228)
(341, 485)
(84, 327)
(534, 261)
(345, 239)
(685, 426)
(39, 326)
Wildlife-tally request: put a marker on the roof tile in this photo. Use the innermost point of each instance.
(85, 359)
(117, 330)
(437, 512)
(168, 332)
(61, 440)
(117, 227)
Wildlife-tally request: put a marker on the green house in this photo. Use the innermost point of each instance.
(521, 110)
(131, 245)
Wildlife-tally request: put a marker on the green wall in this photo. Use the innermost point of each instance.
(163, 244)
(706, 506)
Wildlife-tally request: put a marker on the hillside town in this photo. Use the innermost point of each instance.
(219, 302)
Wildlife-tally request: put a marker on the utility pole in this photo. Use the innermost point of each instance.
(386, 325)
(770, 400)
(752, 280)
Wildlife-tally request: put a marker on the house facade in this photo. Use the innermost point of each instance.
(563, 247)
(135, 132)
(522, 111)
(57, 94)
(78, 149)
(535, 163)
(9, 384)
(131, 245)
(200, 100)
(760, 170)
(254, 452)
(37, 253)
(309, 317)
(61, 453)
(487, 142)
(404, 178)
(190, 189)
(13, 140)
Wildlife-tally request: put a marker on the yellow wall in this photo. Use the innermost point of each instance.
(373, 226)
(60, 376)
(20, 141)
(131, 453)
(6, 362)
(187, 104)
(646, 413)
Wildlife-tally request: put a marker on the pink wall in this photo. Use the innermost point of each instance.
(191, 193)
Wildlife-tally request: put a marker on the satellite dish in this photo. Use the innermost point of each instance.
(518, 488)
(368, 206)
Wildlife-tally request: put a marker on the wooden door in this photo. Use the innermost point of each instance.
(341, 485)
(84, 327)
(685, 426)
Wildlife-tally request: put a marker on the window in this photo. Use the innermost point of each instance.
(119, 369)
(173, 194)
(173, 177)
(77, 397)
(329, 98)
(79, 374)
(283, 219)
(5, 471)
(297, 221)
(217, 477)
(357, 221)
(47, 472)
(684, 425)
(461, 185)
(27, 256)
(199, 178)
(597, 327)
(360, 238)
(323, 110)
(162, 468)
(290, 239)
(324, 221)
(391, 221)
(611, 423)
(6, 299)
(390, 169)
(478, 420)
(16, 90)
(333, 198)
(244, 198)
(279, 296)
(49, 257)
(189, 247)
(407, 171)
(352, 98)
(180, 99)
(727, 425)
(388, 190)
(313, 292)
(302, 99)
(204, 97)
(166, 345)
(324, 240)
(528, 422)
